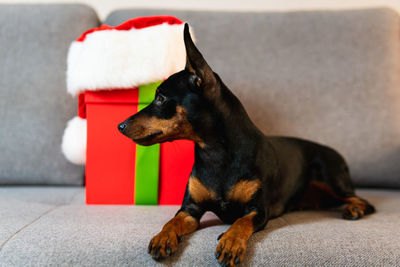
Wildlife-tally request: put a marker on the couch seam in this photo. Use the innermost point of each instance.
(301, 238)
(77, 193)
(27, 225)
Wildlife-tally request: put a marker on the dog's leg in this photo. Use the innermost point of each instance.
(342, 189)
(333, 179)
(356, 208)
(232, 244)
(166, 242)
(323, 195)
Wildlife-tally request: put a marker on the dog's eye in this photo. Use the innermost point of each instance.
(160, 98)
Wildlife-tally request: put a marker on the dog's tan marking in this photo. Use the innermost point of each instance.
(178, 226)
(233, 242)
(187, 128)
(198, 192)
(355, 201)
(244, 190)
(181, 224)
(356, 208)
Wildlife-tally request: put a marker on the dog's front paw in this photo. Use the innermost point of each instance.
(231, 249)
(163, 244)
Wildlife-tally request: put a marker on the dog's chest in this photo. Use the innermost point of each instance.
(227, 210)
(232, 199)
(227, 197)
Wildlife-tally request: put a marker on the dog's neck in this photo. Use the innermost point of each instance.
(228, 132)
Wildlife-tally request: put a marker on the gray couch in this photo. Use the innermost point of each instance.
(328, 76)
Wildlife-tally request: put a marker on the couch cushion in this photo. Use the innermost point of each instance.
(21, 206)
(68, 232)
(328, 76)
(34, 104)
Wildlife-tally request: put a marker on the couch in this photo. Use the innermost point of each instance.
(329, 76)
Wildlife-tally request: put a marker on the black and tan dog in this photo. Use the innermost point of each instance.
(243, 176)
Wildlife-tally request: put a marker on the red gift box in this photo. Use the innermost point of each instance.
(110, 159)
(107, 66)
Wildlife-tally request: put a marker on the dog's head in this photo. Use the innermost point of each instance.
(178, 104)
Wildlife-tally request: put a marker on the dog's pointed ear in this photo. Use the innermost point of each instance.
(196, 64)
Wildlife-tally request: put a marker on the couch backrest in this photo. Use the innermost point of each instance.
(34, 104)
(329, 76)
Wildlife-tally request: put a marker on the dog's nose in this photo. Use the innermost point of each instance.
(121, 127)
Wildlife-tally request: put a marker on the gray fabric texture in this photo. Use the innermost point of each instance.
(52, 231)
(22, 206)
(34, 104)
(328, 76)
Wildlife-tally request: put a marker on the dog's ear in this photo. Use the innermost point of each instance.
(196, 64)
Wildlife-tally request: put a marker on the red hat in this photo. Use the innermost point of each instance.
(139, 51)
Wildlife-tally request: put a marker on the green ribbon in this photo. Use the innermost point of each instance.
(147, 157)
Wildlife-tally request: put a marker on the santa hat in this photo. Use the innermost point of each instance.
(140, 51)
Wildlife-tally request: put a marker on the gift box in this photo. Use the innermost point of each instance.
(115, 72)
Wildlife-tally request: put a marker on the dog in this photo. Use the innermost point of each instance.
(243, 176)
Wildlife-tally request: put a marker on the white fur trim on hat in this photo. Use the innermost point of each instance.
(114, 59)
(74, 141)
